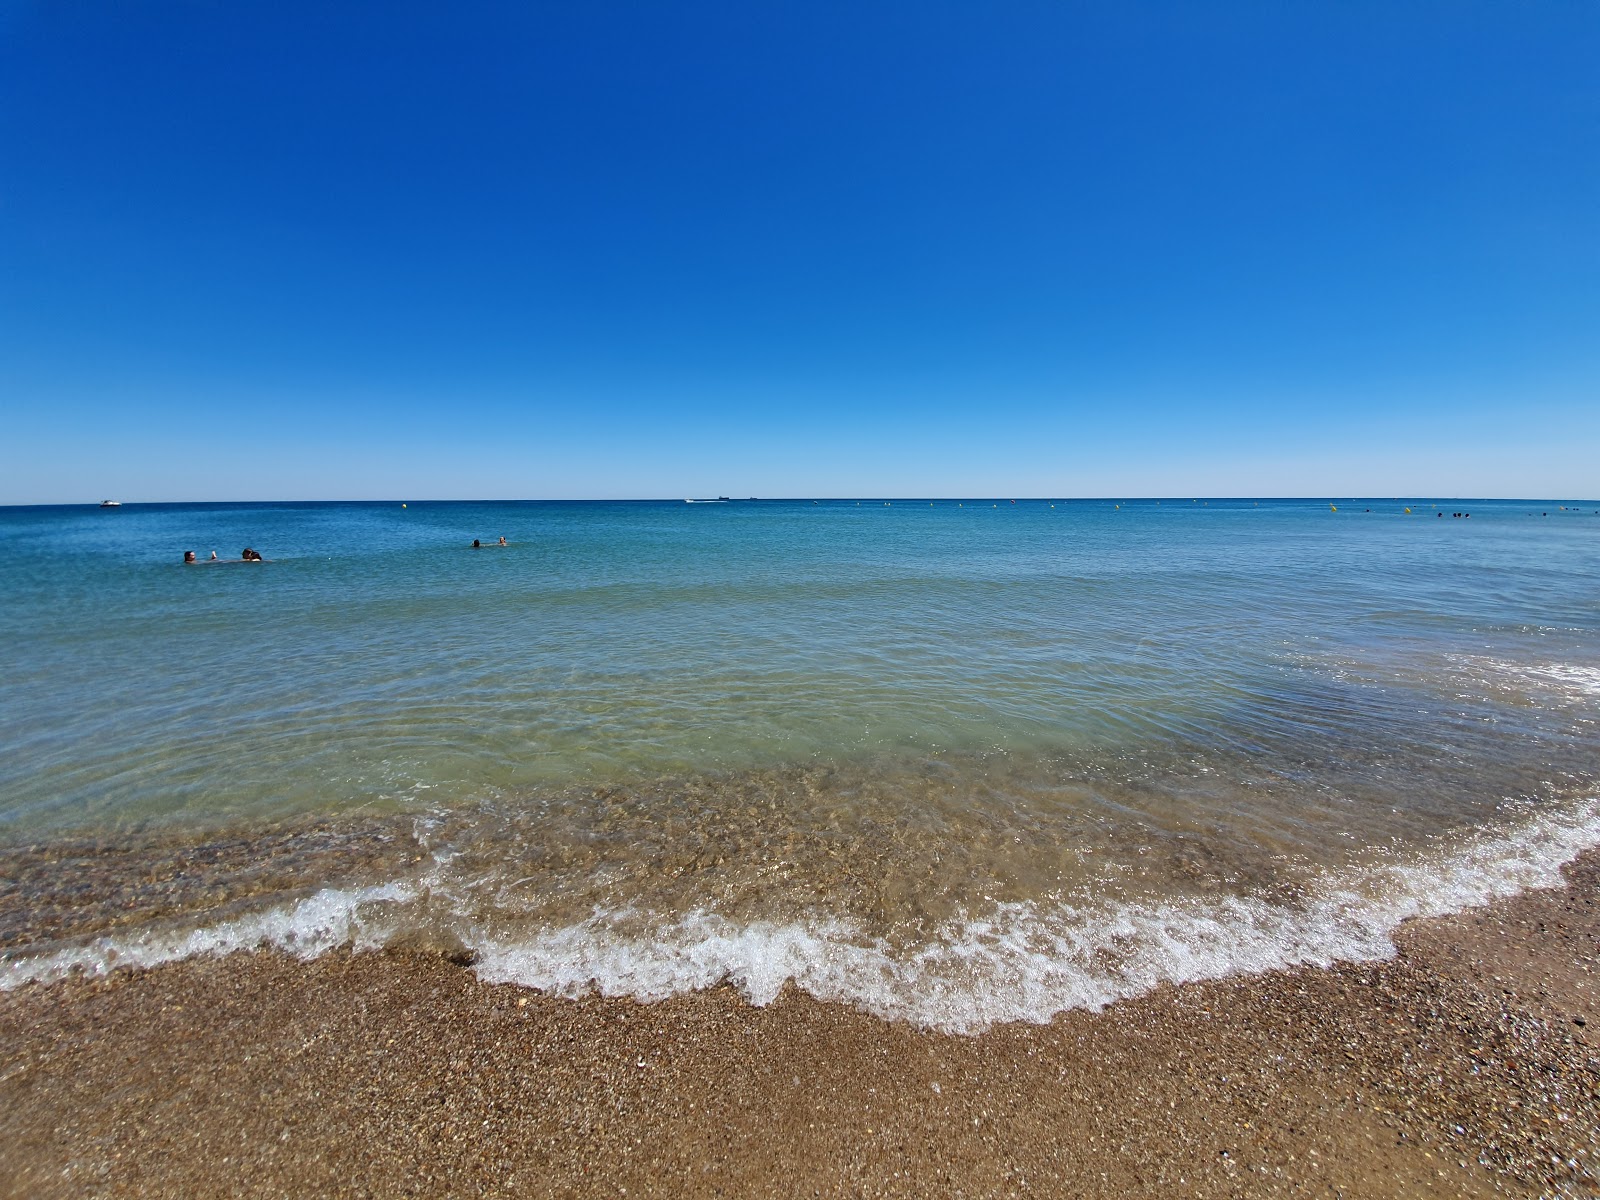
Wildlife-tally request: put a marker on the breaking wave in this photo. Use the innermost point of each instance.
(1014, 962)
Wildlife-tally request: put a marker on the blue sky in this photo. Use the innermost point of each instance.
(566, 250)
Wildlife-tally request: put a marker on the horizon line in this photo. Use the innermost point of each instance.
(1109, 498)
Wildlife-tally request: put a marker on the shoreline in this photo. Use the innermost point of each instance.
(1464, 1066)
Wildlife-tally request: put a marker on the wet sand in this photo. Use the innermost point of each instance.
(1464, 1067)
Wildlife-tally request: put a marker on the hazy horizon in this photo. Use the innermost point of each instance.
(927, 497)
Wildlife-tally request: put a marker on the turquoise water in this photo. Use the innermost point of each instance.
(863, 723)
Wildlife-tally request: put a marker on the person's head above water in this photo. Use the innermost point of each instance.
(250, 555)
(502, 540)
(475, 545)
(188, 556)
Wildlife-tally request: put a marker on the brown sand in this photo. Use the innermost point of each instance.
(1465, 1067)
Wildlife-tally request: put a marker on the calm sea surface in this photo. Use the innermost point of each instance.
(956, 762)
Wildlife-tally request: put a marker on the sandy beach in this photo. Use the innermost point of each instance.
(1463, 1067)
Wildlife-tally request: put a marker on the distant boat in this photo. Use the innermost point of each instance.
(111, 504)
(718, 500)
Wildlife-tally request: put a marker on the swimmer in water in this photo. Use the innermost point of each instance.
(475, 544)
(502, 541)
(249, 555)
(188, 556)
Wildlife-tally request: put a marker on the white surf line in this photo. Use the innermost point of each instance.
(1016, 962)
(321, 922)
(1023, 962)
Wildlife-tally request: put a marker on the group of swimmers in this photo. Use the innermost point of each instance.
(245, 555)
(249, 555)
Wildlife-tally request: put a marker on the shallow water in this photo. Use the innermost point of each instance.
(954, 761)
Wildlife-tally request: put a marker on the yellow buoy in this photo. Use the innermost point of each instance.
(1408, 510)
(402, 506)
(1334, 507)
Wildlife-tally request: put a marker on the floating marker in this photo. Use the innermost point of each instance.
(1334, 507)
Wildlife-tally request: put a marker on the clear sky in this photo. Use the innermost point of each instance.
(591, 249)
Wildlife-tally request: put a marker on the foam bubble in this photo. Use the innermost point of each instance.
(1014, 962)
(1570, 679)
(1578, 678)
(1029, 962)
(359, 917)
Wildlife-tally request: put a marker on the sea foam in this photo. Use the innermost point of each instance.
(1015, 962)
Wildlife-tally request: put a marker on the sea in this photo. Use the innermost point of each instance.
(953, 762)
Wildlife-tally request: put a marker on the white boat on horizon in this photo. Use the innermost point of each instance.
(111, 504)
